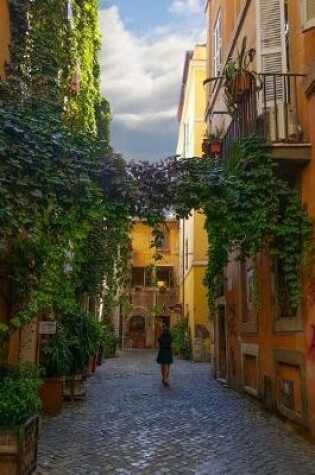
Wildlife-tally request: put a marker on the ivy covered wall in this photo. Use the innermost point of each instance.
(54, 54)
(59, 212)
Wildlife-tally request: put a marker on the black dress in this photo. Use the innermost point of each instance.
(165, 355)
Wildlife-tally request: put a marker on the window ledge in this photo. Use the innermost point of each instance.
(249, 327)
(308, 25)
(288, 324)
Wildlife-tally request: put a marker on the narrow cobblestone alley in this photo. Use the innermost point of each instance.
(130, 424)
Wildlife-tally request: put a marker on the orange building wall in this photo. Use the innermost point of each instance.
(4, 34)
(245, 368)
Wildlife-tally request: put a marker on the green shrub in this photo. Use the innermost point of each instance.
(181, 339)
(84, 335)
(109, 341)
(55, 355)
(19, 397)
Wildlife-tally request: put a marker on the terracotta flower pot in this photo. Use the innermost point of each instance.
(211, 147)
(91, 367)
(94, 359)
(243, 82)
(215, 146)
(51, 394)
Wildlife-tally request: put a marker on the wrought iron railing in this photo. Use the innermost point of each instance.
(271, 111)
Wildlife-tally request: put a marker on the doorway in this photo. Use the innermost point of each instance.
(136, 332)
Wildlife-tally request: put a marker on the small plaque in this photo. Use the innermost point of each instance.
(47, 328)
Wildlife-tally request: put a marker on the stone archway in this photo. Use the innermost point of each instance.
(139, 331)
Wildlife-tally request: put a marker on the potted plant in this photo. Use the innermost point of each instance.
(55, 361)
(19, 421)
(110, 341)
(83, 335)
(238, 79)
(212, 143)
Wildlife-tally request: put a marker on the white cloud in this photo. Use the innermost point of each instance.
(141, 77)
(146, 120)
(186, 7)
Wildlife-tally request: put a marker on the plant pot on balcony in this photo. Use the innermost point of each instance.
(211, 147)
(18, 448)
(242, 82)
(51, 393)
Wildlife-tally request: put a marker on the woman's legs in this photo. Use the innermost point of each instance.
(167, 372)
(163, 372)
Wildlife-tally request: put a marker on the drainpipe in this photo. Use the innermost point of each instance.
(183, 263)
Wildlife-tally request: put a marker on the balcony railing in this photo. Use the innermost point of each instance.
(272, 112)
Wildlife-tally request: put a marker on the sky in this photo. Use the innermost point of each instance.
(142, 58)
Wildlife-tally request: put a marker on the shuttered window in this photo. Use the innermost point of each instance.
(271, 44)
(308, 13)
(217, 53)
(310, 9)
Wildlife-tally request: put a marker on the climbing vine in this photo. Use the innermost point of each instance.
(66, 199)
(248, 208)
(63, 221)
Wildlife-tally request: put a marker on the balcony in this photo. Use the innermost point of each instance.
(272, 112)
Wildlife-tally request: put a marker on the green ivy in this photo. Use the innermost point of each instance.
(255, 212)
(63, 220)
(181, 339)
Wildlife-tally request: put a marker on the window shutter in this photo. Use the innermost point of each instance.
(217, 53)
(309, 9)
(271, 42)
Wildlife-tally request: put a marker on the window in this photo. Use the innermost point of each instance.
(138, 276)
(142, 277)
(273, 31)
(308, 14)
(137, 323)
(165, 242)
(186, 139)
(186, 254)
(248, 280)
(284, 309)
(249, 288)
(217, 43)
(164, 276)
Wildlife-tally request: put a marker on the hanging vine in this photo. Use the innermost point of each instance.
(248, 208)
(56, 194)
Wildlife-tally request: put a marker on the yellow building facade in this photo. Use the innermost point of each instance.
(269, 353)
(193, 241)
(153, 290)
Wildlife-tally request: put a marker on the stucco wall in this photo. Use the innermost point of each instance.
(4, 34)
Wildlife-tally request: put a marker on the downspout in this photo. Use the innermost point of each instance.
(183, 263)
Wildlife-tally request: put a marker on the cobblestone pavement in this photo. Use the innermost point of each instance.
(131, 424)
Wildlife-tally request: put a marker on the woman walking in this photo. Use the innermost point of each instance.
(165, 355)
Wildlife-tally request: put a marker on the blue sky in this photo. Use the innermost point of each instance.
(143, 49)
(141, 15)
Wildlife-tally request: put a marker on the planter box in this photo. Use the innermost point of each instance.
(74, 387)
(51, 393)
(18, 448)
